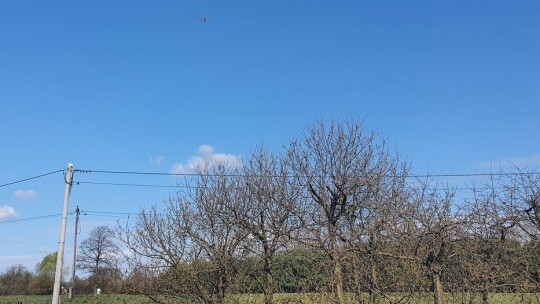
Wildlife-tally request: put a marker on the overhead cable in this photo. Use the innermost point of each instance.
(30, 178)
(126, 184)
(233, 175)
(29, 219)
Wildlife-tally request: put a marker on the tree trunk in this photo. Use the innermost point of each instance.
(338, 281)
(269, 290)
(373, 288)
(222, 285)
(357, 279)
(337, 271)
(485, 295)
(438, 292)
(269, 287)
(373, 291)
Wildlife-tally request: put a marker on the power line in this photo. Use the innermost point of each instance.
(48, 216)
(240, 175)
(141, 173)
(30, 178)
(473, 174)
(29, 219)
(108, 212)
(127, 184)
(180, 186)
(105, 215)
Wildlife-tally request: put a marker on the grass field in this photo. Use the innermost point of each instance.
(86, 299)
(258, 298)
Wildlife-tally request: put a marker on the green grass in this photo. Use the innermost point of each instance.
(258, 298)
(82, 299)
(500, 298)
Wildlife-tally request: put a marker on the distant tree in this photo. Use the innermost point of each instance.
(15, 280)
(98, 255)
(47, 266)
(43, 282)
(41, 285)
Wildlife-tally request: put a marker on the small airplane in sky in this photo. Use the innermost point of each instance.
(204, 19)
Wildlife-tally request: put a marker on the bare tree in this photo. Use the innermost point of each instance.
(436, 228)
(157, 254)
(487, 245)
(375, 223)
(338, 164)
(15, 280)
(265, 210)
(188, 249)
(98, 254)
(214, 237)
(507, 223)
(520, 197)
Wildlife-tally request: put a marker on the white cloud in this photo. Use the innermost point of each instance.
(179, 168)
(157, 160)
(206, 150)
(7, 212)
(207, 159)
(25, 194)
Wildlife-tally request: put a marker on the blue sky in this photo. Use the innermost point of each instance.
(146, 86)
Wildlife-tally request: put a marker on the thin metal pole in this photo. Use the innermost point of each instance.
(72, 288)
(62, 240)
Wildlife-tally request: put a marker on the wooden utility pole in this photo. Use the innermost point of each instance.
(77, 212)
